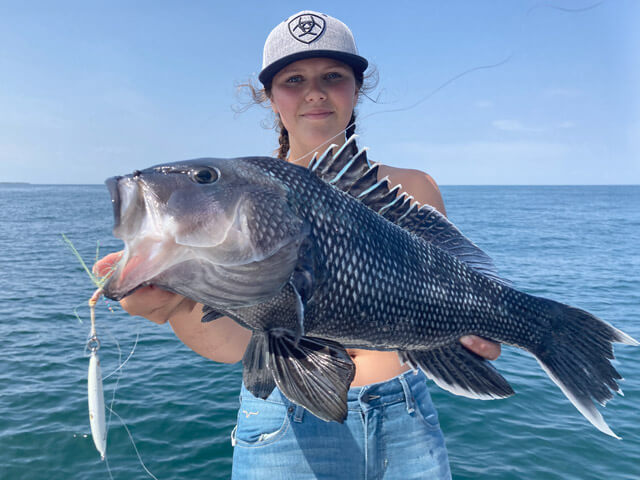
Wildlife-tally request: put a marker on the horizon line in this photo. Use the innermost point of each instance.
(440, 184)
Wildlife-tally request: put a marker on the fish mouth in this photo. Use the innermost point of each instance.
(143, 256)
(116, 288)
(112, 185)
(197, 241)
(141, 265)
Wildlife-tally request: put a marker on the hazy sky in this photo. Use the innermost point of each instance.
(93, 89)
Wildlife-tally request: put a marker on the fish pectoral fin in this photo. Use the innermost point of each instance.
(459, 371)
(256, 375)
(311, 372)
(209, 314)
(302, 281)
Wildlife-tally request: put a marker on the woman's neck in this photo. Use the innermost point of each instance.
(300, 154)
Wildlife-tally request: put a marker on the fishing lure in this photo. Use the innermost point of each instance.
(95, 391)
(94, 384)
(97, 407)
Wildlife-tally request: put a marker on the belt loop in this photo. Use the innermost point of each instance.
(408, 396)
(297, 417)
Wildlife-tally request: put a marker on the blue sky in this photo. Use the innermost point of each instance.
(93, 89)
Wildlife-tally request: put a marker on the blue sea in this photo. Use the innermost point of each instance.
(576, 244)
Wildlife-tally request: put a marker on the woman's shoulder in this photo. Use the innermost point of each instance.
(416, 183)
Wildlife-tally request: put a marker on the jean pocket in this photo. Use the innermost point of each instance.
(260, 423)
(427, 412)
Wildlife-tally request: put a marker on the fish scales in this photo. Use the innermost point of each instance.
(317, 260)
(390, 277)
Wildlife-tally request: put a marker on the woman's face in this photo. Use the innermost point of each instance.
(315, 98)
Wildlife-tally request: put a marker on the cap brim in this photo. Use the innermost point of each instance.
(358, 63)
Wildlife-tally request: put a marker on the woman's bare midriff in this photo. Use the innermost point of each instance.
(373, 366)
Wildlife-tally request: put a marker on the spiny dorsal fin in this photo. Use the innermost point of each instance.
(399, 209)
(355, 175)
(361, 184)
(324, 158)
(329, 166)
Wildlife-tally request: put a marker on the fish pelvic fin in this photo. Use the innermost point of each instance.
(576, 354)
(256, 375)
(459, 371)
(209, 314)
(311, 372)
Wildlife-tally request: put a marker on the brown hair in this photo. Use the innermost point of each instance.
(261, 96)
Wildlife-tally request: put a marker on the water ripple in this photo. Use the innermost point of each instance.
(575, 244)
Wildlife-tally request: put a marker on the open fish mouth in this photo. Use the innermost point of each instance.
(131, 273)
(149, 247)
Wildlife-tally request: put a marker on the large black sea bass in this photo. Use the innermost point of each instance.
(317, 260)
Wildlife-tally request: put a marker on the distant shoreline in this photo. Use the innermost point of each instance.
(15, 183)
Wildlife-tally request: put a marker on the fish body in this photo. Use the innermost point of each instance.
(317, 260)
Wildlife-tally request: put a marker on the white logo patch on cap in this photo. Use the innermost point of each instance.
(307, 28)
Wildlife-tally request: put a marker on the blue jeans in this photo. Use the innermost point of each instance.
(391, 432)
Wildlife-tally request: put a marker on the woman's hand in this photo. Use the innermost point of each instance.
(481, 346)
(149, 302)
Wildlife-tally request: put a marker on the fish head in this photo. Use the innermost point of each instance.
(219, 231)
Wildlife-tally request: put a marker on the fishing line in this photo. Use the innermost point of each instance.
(417, 103)
(462, 74)
(94, 344)
(133, 443)
(564, 9)
(113, 412)
(113, 395)
(128, 357)
(110, 408)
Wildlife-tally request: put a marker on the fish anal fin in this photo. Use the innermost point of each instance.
(314, 373)
(459, 371)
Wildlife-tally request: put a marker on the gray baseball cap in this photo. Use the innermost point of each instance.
(309, 34)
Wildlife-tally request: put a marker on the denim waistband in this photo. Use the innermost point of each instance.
(404, 387)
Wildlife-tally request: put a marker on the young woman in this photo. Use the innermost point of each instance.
(312, 76)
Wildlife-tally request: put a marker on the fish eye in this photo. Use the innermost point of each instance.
(204, 175)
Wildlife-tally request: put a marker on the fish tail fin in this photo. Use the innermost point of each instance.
(576, 354)
(311, 372)
(459, 371)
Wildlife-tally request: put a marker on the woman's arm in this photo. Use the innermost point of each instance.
(425, 190)
(222, 340)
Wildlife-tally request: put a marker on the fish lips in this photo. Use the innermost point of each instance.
(130, 274)
(116, 202)
(113, 287)
(115, 294)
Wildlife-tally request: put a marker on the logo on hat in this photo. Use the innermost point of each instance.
(307, 27)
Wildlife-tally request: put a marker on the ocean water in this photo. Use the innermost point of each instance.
(579, 245)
